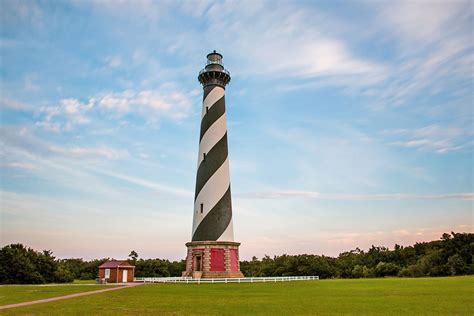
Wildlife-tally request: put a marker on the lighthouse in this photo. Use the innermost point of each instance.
(212, 252)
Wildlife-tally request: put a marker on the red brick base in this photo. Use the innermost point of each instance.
(213, 259)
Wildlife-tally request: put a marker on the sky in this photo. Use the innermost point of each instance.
(350, 124)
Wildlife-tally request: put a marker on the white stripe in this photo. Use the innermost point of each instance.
(228, 234)
(211, 193)
(212, 98)
(212, 136)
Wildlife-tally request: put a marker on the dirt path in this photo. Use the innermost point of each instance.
(57, 298)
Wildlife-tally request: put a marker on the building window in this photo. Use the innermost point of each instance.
(202, 208)
(107, 273)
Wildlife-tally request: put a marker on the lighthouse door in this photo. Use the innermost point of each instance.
(197, 266)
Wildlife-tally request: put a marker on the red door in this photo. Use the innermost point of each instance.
(217, 259)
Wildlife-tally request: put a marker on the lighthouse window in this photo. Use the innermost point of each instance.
(204, 156)
(202, 208)
(207, 109)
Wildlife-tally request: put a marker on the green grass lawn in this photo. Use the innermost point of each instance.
(394, 296)
(10, 294)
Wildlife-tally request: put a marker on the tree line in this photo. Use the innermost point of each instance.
(451, 255)
(23, 265)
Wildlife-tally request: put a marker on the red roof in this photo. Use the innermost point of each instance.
(116, 264)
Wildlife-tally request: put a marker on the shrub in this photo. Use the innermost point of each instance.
(457, 266)
(361, 272)
(386, 269)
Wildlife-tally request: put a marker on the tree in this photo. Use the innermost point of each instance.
(434, 263)
(133, 256)
(457, 266)
(22, 265)
(17, 265)
(62, 275)
(386, 269)
(412, 271)
(361, 272)
(46, 265)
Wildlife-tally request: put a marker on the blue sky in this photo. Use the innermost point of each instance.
(349, 124)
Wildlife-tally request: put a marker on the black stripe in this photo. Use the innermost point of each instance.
(214, 159)
(207, 90)
(212, 115)
(216, 221)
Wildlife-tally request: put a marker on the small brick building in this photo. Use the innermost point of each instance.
(117, 271)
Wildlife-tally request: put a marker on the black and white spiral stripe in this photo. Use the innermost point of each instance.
(212, 202)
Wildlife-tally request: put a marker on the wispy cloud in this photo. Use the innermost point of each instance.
(19, 165)
(433, 45)
(145, 9)
(14, 105)
(441, 147)
(288, 194)
(417, 21)
(158, 187)
(164, 102)
(291, 43)
(64, 116)
(88, 152)
(431, 138)
(14, 12)
(114, 61)
(195, 8)
(25, 140)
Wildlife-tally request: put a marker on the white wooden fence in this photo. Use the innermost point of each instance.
(189, 280)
